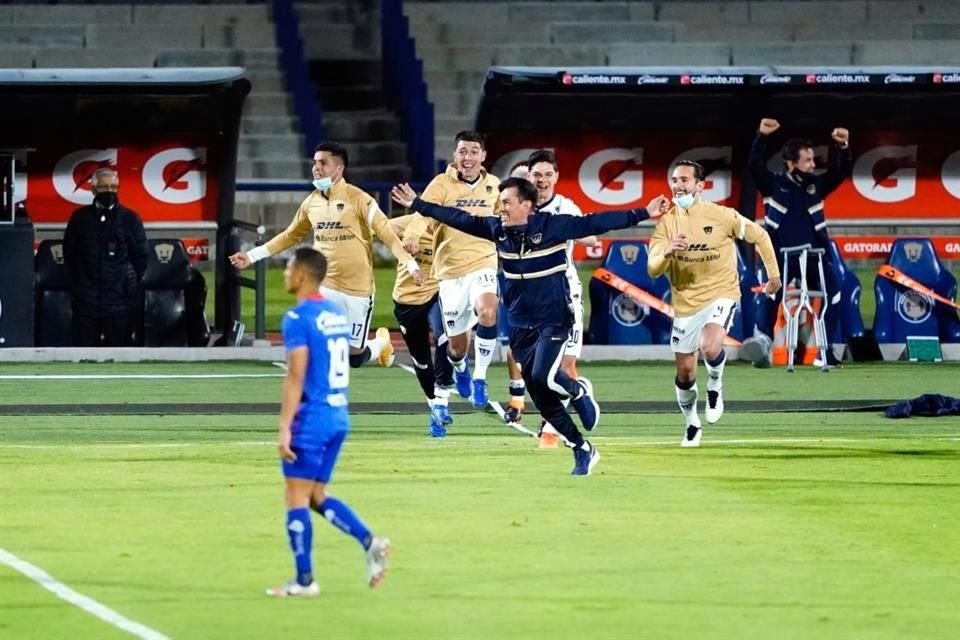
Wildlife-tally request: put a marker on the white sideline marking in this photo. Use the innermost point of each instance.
(282, 365)
(141, 376)
(89, 605)
(406, 368)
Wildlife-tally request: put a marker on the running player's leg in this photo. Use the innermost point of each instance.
(442, 368)
(415, 329)
(458, 319)
(483, 296)
(716, 325)
(299, 483)
(359, 310)
(684, 343)
(575, 341)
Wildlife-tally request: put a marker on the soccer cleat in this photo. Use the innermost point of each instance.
(377, 560)
(587, 408)
(386, 354)
(441, 414)
(464, 382)
(691, 437)
(584, 459)
(479, 397)
(513, 415)
(547, 436)
(293, 588)
(714, 406)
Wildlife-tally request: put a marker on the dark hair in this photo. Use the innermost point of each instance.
(525, 189)
(311, 261)
(336, 150)
(792, 148)
(471, 136)
(543, 155)
(698, 173)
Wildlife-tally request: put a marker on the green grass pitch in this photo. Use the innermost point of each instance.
(782, 525)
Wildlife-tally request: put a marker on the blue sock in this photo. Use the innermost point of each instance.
(342, 517)
(300, 530)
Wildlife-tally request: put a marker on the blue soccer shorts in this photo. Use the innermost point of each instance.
(315, 463)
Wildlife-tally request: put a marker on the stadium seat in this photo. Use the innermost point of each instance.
(618, 319)
(745, 318)
(851, 321)
(902, 312)
(53, 315)
(173, 298)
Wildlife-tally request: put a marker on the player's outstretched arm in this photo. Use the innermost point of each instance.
(757, 160)
(756, 235)
(482, 227)
(572, 227)
(381, 228)
(297, 230)
(840, 162)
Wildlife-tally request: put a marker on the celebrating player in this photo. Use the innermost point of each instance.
(532, 248)
(694, 244)
(314, 422)
(343, 220)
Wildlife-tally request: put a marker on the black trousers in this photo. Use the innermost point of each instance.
(539, 353)
(416, 322)
(114, 331)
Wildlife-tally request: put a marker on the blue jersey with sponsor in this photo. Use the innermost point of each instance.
(322, 327)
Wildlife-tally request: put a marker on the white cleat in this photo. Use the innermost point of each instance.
(691, 437)
(293, 588)
(714, 406)
(377, 560)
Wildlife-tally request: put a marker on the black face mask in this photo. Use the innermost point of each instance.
(106, 199)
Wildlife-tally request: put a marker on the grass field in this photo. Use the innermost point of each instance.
(782, 525)
(278, 301)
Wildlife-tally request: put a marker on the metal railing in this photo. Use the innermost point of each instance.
(259, 281)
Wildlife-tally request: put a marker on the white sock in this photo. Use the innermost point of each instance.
(687, 399)
(440, 396)
(375, 346)
(715, 381)
(458, 365)
(483, 356)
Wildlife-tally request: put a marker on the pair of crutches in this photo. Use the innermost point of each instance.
(796, 300)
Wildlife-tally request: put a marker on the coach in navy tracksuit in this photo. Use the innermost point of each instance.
(532, 249)
(793, 203)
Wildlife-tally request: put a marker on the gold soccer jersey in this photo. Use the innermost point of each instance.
(455, 252)
(405, 290)
(707, 269)
(343, 221)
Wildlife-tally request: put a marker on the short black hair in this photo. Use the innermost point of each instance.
(792, 148)
(471, 136)
(543, 155)
(525, 189)
(311, 261)
(698, 172)
(336, 150)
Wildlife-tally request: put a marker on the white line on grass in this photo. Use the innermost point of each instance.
(141, 376)
(89, 605)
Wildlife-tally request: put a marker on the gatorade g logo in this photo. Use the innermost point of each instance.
(72, 173)
(887, 174)
(177, 176)
(509, 161)
(717, 163)
(613, 176)
(914, 307)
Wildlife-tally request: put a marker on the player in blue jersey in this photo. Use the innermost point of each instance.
(314, 422)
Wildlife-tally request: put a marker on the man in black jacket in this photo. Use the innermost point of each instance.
(105, 255)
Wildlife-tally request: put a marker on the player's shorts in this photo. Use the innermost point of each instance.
(686, 330)
(315, 463)
(458, 298)
(358, 309)
(575, 340)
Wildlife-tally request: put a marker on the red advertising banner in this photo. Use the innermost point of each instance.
(896, 174)
(851, 247)
(162, 181)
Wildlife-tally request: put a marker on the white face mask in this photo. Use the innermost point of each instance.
(685, 201)
(323, 184)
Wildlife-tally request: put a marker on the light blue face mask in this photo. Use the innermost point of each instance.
(323, 184)
(685, 201)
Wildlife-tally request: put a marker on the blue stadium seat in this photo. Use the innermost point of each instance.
(902, 312)
(53, 314)
(617, 319)
(851, 321)
(745, 318)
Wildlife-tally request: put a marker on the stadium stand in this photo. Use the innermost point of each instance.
(701, 33)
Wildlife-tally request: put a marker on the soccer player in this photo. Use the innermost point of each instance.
(544, 174)
(794, 216)
(532, 247)
(466, 266)
(343, 220)
(314, 422)
(417, 309)
(695, 245)
(516, 386)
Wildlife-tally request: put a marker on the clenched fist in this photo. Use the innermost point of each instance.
(841, 136)
(768, 126)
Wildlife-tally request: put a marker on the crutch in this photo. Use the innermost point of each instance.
(801, 299)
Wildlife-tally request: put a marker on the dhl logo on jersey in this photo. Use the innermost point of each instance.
(466, 203)
(329, 224)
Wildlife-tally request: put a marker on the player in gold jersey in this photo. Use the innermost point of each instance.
(417, 309)
(465, 266)
(344, 221)
(694, 244)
